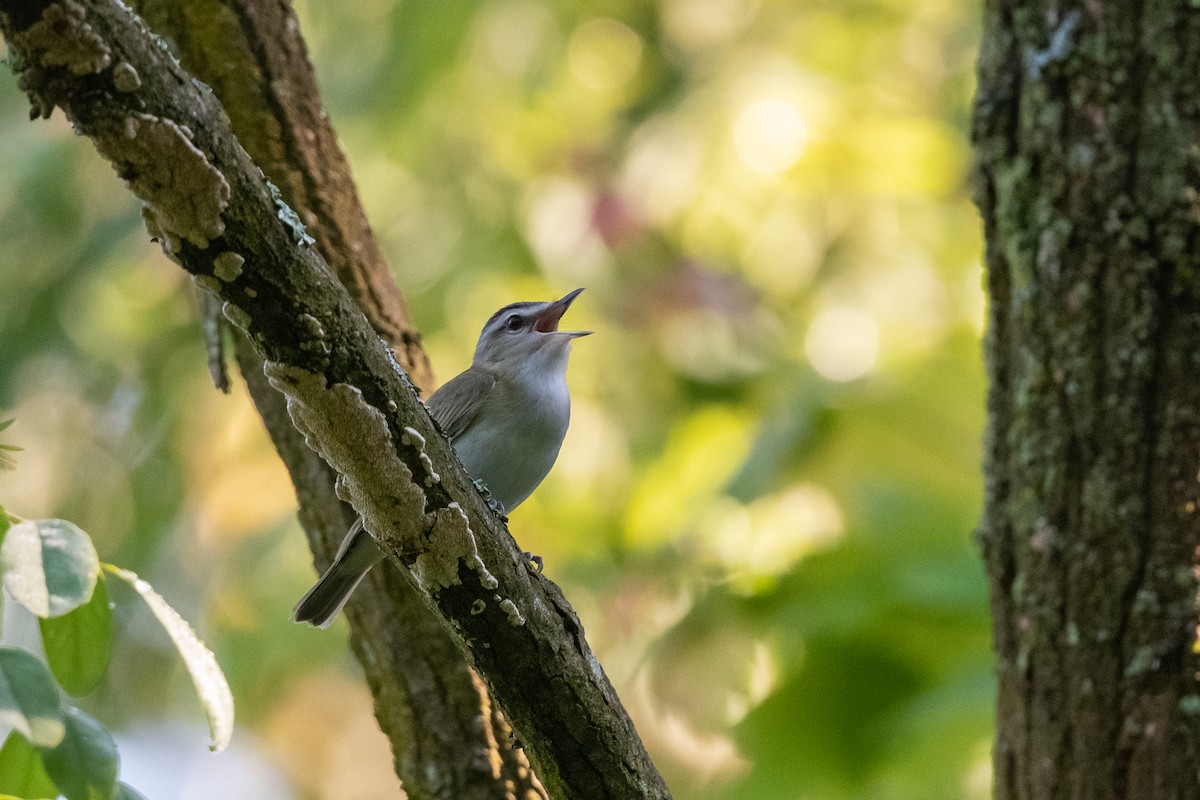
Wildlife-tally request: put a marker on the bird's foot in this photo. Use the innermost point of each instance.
(536, 560)
(493, 503)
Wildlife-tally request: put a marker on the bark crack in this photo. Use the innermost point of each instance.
(1142, 544)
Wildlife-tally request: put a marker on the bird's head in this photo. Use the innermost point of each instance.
(523, 337)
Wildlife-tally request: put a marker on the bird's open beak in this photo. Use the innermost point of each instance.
(547, 322)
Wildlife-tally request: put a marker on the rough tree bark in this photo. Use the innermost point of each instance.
(251, 53)
(447, 740)
(219, 218)
(1086, 129)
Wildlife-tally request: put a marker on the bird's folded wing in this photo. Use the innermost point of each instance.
(456, 405)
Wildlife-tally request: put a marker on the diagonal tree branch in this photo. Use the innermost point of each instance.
(429, 703)
(168, 136)
(252, 55)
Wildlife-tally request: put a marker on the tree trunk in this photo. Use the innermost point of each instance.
(1086, 125)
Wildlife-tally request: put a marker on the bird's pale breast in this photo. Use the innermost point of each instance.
(516, 438)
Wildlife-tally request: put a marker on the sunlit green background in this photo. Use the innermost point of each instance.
(763, 509)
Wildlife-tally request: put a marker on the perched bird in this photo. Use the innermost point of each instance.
(506, 416)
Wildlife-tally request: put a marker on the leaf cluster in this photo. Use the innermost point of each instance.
(51, 568)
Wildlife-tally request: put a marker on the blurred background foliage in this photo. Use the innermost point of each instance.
(763, 509)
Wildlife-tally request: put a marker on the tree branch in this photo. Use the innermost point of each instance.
(208, 203)
(252, 55)
(428, 702)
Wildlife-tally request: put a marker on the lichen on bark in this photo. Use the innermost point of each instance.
(1086, 164)
(62, 37)
(184, 193)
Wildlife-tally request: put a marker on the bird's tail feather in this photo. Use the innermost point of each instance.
(326, 598)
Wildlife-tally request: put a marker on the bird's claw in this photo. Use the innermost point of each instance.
(537, 560)
(498, 507)
(493, 503)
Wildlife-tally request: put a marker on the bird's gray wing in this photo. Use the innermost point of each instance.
(456, 404)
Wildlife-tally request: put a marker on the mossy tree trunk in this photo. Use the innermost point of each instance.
(1087, 132)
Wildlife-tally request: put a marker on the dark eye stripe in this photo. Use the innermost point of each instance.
(508, 309)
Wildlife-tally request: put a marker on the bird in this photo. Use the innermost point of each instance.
(505, 415)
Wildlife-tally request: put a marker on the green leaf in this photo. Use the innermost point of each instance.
(21, 770)
(50, 566)
(29, 699)
(127, 792)
(78, 644)
(84, 765)
(201, 664)
(5, 425)
(6, 460)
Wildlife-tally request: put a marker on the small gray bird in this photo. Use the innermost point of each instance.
(506, 416)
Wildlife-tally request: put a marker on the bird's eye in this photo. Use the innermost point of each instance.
(514, 323)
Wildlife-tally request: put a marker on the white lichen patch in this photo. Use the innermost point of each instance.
(391, 357)
(228, 266)
(594, 666)
(510, 609)
(169, 241)
(1143, 661)
(314, 341)
(208, 283)
(125, 77)
(289, 217)
(413, 438)
(312, 326)
(450, 541)
(353, 437)
(62, 38)
(236, 315)
(185, 192)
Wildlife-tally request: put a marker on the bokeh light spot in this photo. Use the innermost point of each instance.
(767, 537)
(604, 54)
(560, 231)
(842, 344)
(665, 161)
(704, 23)
(769, 136)
(512, 34)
